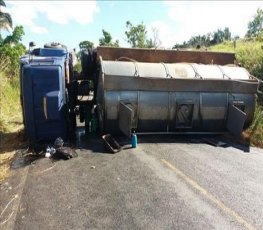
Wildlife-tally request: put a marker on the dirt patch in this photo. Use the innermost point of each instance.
(10, 143)
(5, 160)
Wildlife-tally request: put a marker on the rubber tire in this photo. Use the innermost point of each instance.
(54, 45)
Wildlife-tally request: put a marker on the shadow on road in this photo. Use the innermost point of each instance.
(94, 143)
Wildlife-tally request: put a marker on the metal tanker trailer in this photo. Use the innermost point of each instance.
(161, 91)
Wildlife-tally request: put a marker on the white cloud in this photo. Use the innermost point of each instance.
(200, 17)
(39, 29)
(60, 12)
(165, 33)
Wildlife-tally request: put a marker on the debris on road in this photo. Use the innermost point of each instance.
(65, 153)
(110, 144)
(50, 152)
(134, 140)
(58, 142)
(59, 151)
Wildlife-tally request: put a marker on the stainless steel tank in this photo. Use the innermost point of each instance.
(174, 97)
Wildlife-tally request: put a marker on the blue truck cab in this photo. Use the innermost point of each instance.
(43, 76)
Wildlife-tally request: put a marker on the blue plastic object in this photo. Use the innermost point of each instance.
(44, 98)
(134, 140)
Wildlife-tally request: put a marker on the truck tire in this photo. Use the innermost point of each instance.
(54, 45)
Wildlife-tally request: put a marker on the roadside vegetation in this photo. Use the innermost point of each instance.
(11, 49)
(249, 54)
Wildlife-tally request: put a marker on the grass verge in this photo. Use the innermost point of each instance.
(10, 121)
(255, 132)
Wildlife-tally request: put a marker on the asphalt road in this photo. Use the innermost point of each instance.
(167, 182)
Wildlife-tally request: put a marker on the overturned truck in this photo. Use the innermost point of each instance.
(136, 90)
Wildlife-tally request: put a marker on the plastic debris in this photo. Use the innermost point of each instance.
(134, 140)
(59, 151)
(58, 142)
(65, 153)
(50, 151)
(47, 155)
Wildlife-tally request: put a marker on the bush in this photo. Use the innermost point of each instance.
(255, 131)
(10, 109)
(12, 53)
(12, 49)
(250, 55)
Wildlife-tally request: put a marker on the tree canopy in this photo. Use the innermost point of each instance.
(5, 18)
(137, 36)
(16, 36)
(206, 40)
(86, 44)
(2, 3)
(106, 40)
(255, 25)
(11, 48)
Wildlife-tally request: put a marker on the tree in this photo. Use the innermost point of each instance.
(11, 47)
(86, 44)
(15, 37)
(255, 26)
(218, 37)
(106, 40)
(206, 40)
(137, 36)
(227, 34)
(154, 42)
(181, 46)
(5, 18)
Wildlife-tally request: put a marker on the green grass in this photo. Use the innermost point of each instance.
(10, 109)
(10, 121)
(223, 47)
(248, 53)
(255, 132)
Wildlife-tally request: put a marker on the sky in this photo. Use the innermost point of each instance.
(70, 22)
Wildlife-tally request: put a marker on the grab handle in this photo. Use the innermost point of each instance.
(45, 106)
